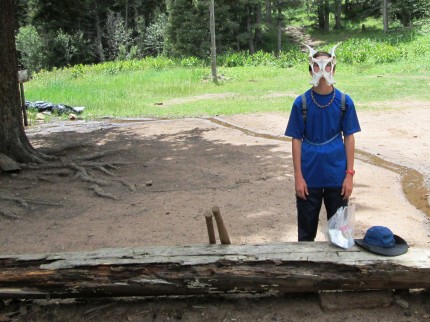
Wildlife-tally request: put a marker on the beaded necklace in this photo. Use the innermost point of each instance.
(323, 106)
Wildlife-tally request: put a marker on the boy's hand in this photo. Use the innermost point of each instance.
(301, 188)
(347, 186)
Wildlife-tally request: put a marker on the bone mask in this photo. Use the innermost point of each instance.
(322, 63)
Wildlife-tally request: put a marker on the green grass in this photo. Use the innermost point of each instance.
(370, 69)
(187, 92)
(183, 92)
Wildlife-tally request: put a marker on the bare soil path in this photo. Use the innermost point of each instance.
(171, 171)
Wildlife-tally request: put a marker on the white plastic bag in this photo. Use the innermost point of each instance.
(340, 228)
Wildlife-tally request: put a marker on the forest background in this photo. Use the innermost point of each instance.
(89, 32)
(99, 55)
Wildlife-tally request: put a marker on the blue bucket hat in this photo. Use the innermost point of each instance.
(381, 240)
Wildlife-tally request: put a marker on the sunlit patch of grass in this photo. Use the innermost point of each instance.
(262, 83)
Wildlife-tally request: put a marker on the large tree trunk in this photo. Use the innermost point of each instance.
(258, 32)
(326, 16)
(210, 270)
(13, 140)
(213, 40)
(268, 12)
(321, 17)
(280, 21)
(406, 17)
(385, 14)
(99, 44)
(249, 29)
(126, 15)
(338, 8)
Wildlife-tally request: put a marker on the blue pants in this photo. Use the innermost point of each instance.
(308, 210)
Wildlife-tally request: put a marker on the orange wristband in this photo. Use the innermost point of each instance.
(351, 172)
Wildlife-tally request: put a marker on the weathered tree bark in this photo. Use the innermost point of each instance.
(209, 270)
(13, 140)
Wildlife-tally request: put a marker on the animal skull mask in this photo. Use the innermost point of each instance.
(322, 63)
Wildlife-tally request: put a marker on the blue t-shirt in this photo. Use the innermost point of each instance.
(323, 152)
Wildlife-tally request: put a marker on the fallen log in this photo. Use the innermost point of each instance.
(210, 269)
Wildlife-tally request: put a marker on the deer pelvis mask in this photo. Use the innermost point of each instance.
(325, 66)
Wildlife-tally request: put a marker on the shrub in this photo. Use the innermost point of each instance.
(77, 71)
(64, 48)
(116, 35)
(191, 62)
(31, 49)
(154, 36)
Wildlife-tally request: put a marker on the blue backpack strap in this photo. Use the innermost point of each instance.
(304, 107)
(343, 104)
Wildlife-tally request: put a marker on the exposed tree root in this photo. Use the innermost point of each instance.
(100, 192)
(60, 148)
(9, 215)
(37, 156)
(46, 179)
(96, 155)
(111, 165)
(22, 202)
(71, 164)
(131, 187)
(25, 202)
(79, 167)
(45, 203)
(59, 172)
(82, 174)
(106, 171)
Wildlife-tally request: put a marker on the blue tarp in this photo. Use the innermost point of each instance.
(42, 106)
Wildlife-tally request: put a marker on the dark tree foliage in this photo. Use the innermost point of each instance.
(188, 27)
(75, 31)
(362, 9)
(239, 26)
(405, 11)
(68, 15)
(186, 32)
(86, 19)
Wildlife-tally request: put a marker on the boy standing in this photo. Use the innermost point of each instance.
(322, 125)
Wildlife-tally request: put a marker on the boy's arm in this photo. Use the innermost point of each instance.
(350, 150)
(300, 183)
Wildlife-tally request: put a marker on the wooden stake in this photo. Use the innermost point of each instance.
(210, 226)
(223, 234)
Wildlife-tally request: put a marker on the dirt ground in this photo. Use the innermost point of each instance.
(160, 176)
